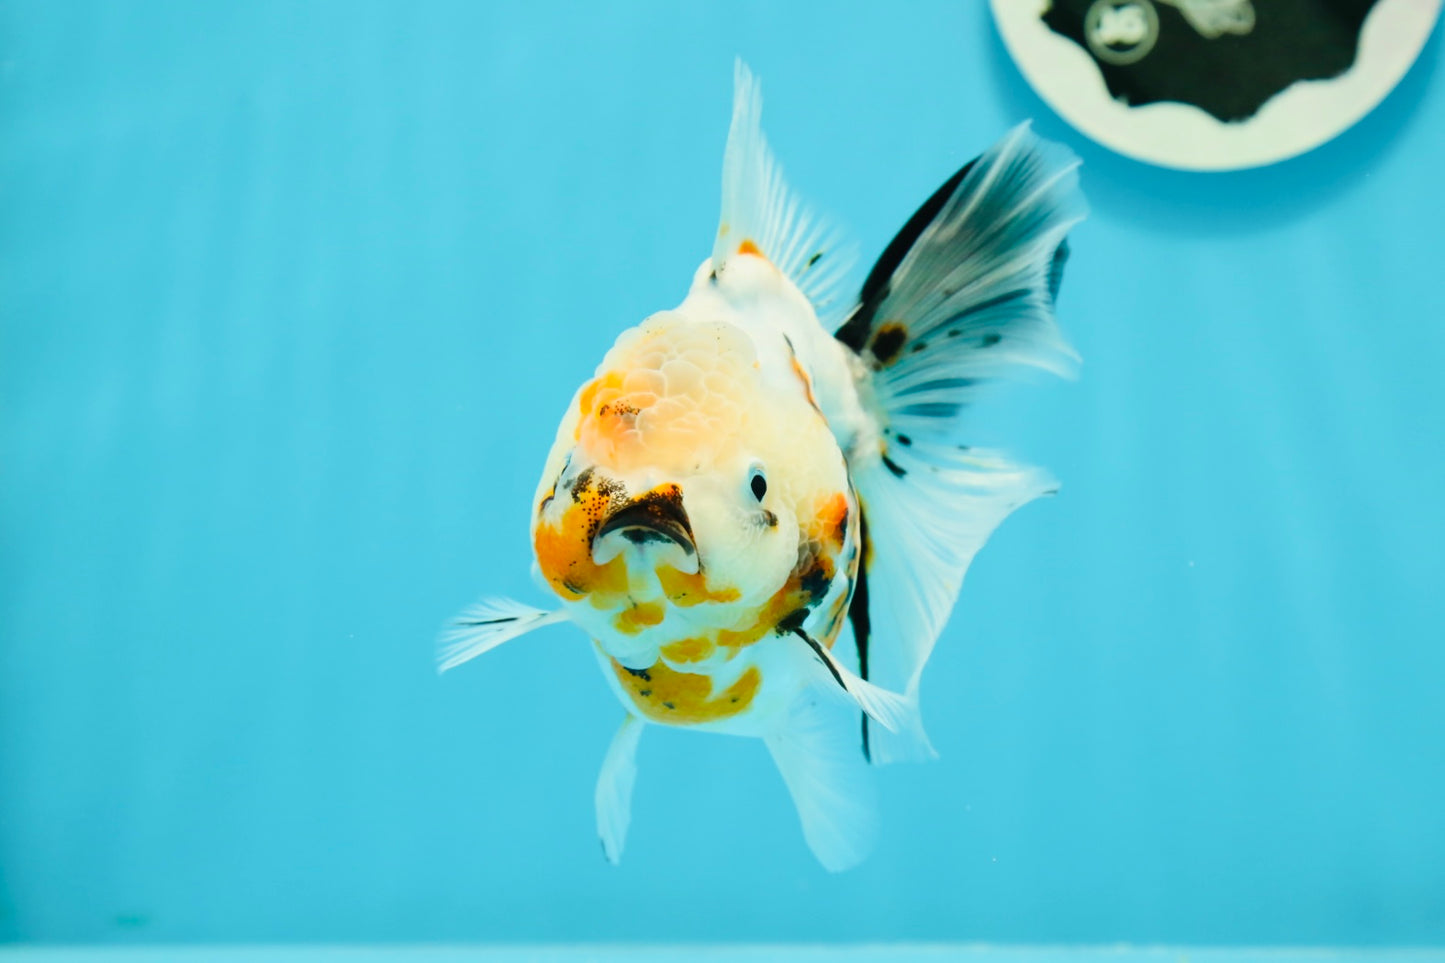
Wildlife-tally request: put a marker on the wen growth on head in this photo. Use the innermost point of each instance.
(737, 486)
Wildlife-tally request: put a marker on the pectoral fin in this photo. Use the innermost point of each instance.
(487, 625)
(890, 710)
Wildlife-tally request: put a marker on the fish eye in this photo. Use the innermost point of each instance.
(758, 483)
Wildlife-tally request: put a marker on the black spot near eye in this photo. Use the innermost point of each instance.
(759, 485)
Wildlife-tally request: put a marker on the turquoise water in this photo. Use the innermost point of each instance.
(650, 953)
(291, 299)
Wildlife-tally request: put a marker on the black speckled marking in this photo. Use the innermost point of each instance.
(581, 484)
(793, 621)
(894, 467)
(619, 408)
(888, 342)
(815, 583)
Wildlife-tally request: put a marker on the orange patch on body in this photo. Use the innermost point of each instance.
(689, 650)
(795, 594)
(635, 618)
(807, 382)
(830, 524)
(664, 694)
(748, 247)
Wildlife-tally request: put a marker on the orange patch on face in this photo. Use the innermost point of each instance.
(664, 694)
(599, 392)
(748, 247)
(686, 590)
(564, 554)
(635, 618)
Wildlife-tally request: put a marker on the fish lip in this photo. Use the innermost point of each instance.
(657, 516)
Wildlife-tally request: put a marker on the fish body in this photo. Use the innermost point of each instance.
(736, 485)
(706, 414)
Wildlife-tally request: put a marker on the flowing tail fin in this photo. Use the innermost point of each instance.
(963, 295)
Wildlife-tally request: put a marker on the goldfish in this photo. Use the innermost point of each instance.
(771, 466)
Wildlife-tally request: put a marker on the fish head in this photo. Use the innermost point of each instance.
(681, 479)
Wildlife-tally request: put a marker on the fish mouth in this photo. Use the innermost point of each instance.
(654, 518)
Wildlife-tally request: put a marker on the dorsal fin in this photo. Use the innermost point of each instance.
(761, 216)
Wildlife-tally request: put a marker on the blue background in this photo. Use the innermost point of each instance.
(291, 299)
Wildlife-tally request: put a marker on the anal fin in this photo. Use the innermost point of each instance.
(830, 781)
(614, 788)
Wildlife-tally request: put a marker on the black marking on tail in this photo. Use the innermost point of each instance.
(1017, 294)
(898, 470)
(888, 342)
(854, 332)
(858, 614)
(1056, 269)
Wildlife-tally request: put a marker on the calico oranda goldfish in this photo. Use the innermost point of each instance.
(737, 485)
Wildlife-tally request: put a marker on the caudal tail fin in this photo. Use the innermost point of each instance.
(963, 295)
